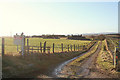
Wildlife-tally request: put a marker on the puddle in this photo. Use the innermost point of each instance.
(58, 69)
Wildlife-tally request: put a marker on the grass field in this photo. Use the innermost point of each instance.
(10, 48)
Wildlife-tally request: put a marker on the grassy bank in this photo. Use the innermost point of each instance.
(17, 65)
(104, 61)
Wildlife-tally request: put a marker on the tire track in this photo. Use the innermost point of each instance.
(86, 70)
(57, 70)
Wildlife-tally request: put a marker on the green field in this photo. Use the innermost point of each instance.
(10, 48)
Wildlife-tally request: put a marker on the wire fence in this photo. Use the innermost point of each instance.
(36, 45)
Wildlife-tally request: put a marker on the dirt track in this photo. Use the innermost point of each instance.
(86, 70)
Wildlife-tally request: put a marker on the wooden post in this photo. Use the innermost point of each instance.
(53, 47)
(41, 47)
(68, 47)
(28, 46)
(71, 47)
(32, 49)
(62, 46)
(114, 58)
(78, 47)
(3, 46)
(74, 47)
(23, 45)
(44, 50)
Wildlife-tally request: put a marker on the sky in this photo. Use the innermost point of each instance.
(36, 18)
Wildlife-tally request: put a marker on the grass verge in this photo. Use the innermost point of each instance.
(104, 61)
(17, 65)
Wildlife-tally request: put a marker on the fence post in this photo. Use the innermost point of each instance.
(44, 47)
(78, 47)
(41, 47)
(71, 47)
(114, 61)
(53, 47)
(32, 49)
(3, 47)
(28, 46)
(62, 46)
(74, 47)
(68, 47)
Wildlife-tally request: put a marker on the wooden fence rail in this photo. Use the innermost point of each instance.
(54, 48)
(48, 49)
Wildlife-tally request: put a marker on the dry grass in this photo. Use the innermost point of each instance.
(16, 65)
(104, 60)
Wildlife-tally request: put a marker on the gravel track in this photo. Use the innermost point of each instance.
(86, 70)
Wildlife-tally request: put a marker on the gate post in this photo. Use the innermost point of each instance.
(23, 45)
(3, 42)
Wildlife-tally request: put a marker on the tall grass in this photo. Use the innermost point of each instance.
(17, 66)
(104, 60)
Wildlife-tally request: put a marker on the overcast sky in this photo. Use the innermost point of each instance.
(35, 18)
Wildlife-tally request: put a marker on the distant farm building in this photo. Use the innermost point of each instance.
(77, 37)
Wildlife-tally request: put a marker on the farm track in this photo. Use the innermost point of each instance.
(61, 66)
(86, 70)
